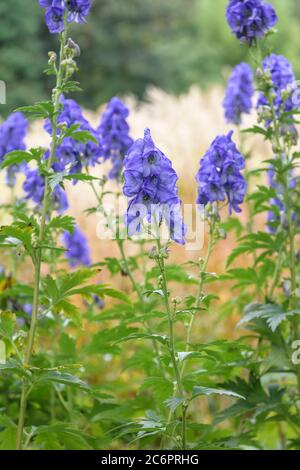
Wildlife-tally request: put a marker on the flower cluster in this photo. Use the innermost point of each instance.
(59, 11)
(114, 135)
(282, 77)
(150, 182)
(78, 252)
(34, 188)
(219, 176)
(277, 215)
(239, 93)
(12, 134)
(72, 154)
(250, 19)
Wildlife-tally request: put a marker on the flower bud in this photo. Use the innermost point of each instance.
(73, 48)
(222, 233)
(152, 253)
(52, 57)
(287, 288)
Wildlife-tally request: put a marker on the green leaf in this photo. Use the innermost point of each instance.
(16, 236)
(256, 241)
(57, 292)
(19, 156)
(70, 311)
(80, 177)
(272, 313)
(154, 292)
(258, 130)
(115, 294)
(60, 436)
(62, 378)
(8, 434)
(67, 345)
(56, 179)
(105, 341)
(245, 277)
(64, 223)
(174, 273)
(70, 87)
(174, 402)
(7, 325)
(161, 339)
(13, 365)
(207, 391)
(42, 110)
(82, 136)
(162, 388)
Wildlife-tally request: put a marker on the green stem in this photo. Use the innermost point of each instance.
(211, 243)
(128, 271)
(134, 284)
(184, 421)
(171, 348)
(141, 299)
(38, 253)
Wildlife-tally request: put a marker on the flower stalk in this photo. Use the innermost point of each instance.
(37, 260)
(171, 343)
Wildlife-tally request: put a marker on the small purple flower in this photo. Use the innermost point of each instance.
(72, 154)
(278, 213)
(219, 176)
(12, 137)
(239, 93)
(77, 10)
(282, 77)
(96, 302)
(151, 184)
(12, 134)
(47, 3)
(27, 308)
(114, 135)
(250, 19)
(54, 18)
(34, 187)
(78, 250)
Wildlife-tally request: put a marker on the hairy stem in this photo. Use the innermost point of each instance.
(204, 265)
(171, 348)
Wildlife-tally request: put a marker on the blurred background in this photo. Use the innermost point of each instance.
(129, 45)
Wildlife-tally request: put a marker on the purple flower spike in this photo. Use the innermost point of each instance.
(219, 177)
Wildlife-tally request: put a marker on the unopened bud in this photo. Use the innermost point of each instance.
(152, 253)
(52, 57)
(73, 47)
(287, 288)
(177, 300)
(222, 233)
(165, 252)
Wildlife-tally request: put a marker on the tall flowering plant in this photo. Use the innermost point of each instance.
(271, 303)
(36, 231)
